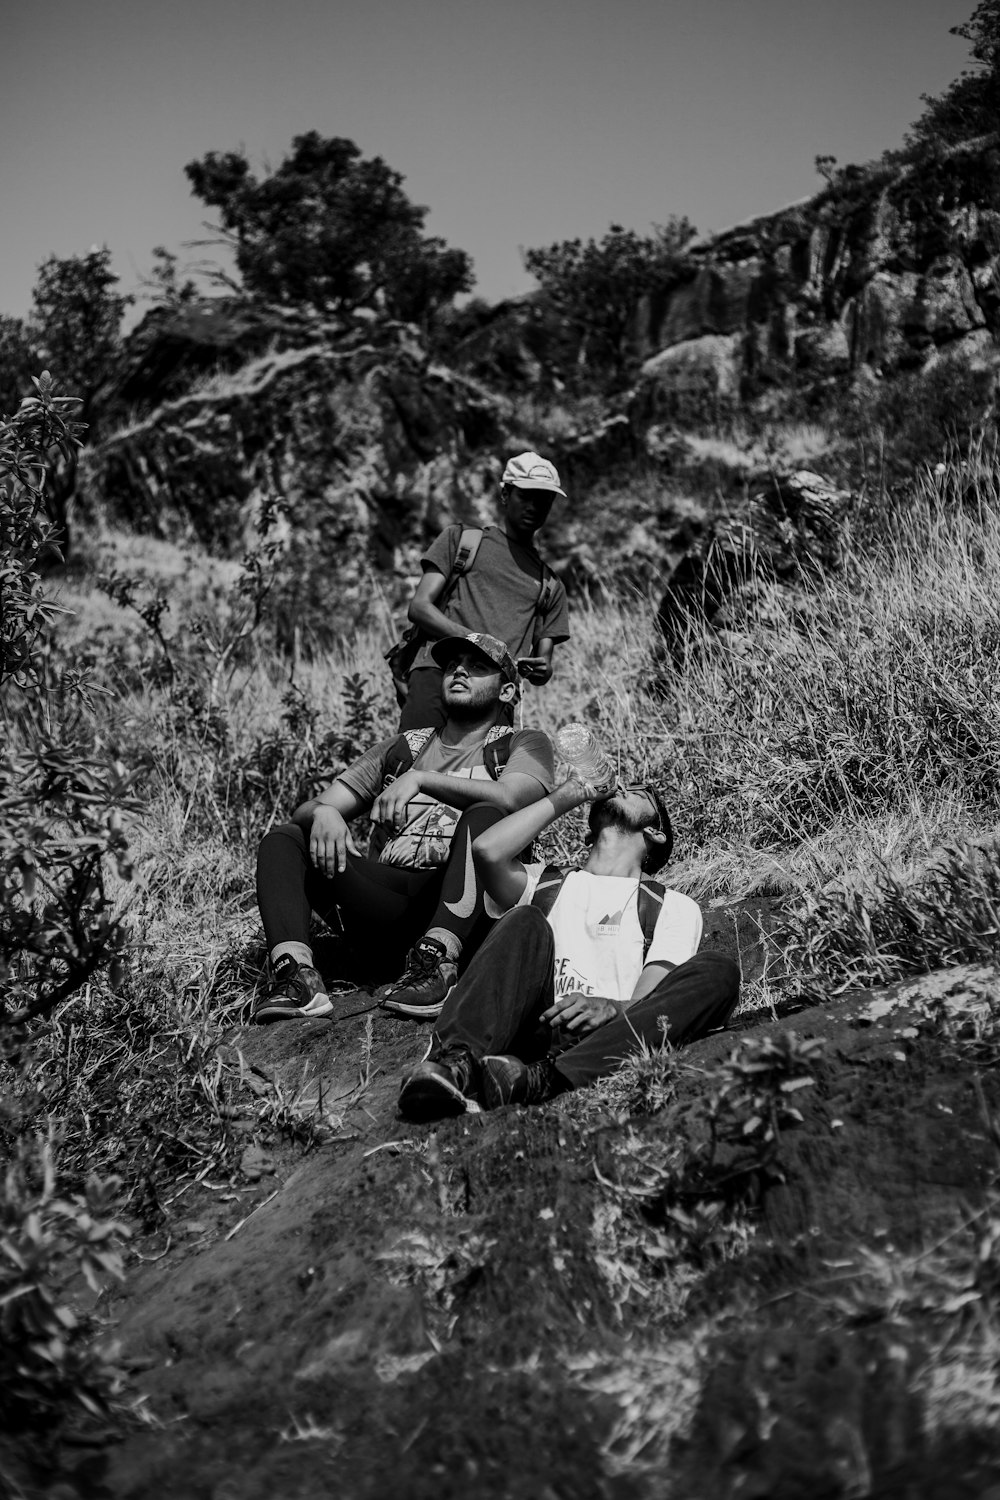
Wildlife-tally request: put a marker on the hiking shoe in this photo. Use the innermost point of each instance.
(508, 1080)
(439, 1086)
(296, 990)
(423, 986)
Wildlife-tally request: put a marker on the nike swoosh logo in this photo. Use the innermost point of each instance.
(467, 905)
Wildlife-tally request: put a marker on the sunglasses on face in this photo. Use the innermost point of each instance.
(647, 791)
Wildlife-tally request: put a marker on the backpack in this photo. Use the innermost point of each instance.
(407, 746)
(403, 653)
(649, 900)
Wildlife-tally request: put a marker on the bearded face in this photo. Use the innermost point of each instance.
(470, 686)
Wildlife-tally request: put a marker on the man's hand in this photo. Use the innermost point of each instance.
(579, 1012)
(390, 805)
(535, 669)
(330, 840)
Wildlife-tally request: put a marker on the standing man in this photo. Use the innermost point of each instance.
(585, 967)
(506, 591)
(433, 793)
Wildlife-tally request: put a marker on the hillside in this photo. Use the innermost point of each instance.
(761, 1266)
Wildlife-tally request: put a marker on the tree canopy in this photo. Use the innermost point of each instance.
(329, 228)
(593, 289)
(75, 324)
(970, 106)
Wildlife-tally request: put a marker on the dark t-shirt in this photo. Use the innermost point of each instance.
(498, 594)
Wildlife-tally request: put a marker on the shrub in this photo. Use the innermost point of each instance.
(61, 799)
(49, 1362)
(61, 806)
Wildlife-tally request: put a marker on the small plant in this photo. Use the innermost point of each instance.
(696, 1178)
(49, 1363)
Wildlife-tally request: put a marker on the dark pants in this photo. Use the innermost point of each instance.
(424, 708)
(383, 908)
(508, 984)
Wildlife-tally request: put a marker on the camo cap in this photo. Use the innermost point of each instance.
(495, 651)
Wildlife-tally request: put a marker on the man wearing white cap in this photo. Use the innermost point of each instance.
(506, 591)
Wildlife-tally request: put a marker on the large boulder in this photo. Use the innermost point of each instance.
(371, 448)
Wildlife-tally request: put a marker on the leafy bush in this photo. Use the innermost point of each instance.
(61, 798)
(916, 417)
(61, 805)
(49, 1362)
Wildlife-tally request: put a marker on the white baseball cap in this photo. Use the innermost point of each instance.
(529, 471)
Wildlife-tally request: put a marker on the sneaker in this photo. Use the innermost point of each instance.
(508, 1080)
(296, 990)
(439, 1086)
(423, 986)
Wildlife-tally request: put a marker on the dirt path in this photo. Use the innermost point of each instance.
(427, 1312)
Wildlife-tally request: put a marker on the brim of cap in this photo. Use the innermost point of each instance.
(442, 651)
(536, 484)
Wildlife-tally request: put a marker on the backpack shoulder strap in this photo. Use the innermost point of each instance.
(649, 904)
(550, 883)
(468, 545)
(403, 752)
(497, 749)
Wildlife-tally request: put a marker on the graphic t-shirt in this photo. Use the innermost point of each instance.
(425, 840)
(598, 937)
(498, 594)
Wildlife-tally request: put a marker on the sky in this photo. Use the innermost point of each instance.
(516, 122)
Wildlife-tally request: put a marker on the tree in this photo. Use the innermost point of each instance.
(970, 106)
(330, 229)
(16, 362)
(594, 290)
(77, 321)
(164, 283)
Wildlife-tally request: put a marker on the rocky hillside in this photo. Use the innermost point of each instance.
(886, 271)
(374, 444)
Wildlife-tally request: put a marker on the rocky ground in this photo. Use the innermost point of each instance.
(472, 1308)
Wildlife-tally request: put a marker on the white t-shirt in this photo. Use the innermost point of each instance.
(595, 922)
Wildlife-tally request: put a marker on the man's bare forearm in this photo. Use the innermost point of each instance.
(505, 840)
(507, 792)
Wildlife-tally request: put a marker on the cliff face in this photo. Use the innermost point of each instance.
(371, 446)
(885, 272)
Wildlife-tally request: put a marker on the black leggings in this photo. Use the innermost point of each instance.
(382, 908)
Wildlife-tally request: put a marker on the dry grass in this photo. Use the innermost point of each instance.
(838, 738)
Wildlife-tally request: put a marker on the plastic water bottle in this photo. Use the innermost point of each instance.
(580, 747)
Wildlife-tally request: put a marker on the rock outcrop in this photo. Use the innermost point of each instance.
(370, 445)
(885, 271)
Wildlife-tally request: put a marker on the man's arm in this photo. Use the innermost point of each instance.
(582, 1013)
(325, 819)
(537, 668)
(496, 851)
(512, 790)
(423, 610)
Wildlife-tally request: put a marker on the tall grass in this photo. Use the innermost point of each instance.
(827, 746)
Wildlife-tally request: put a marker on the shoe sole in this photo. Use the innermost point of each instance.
(317, 1007)
(411, 1008)
(433, 1099)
